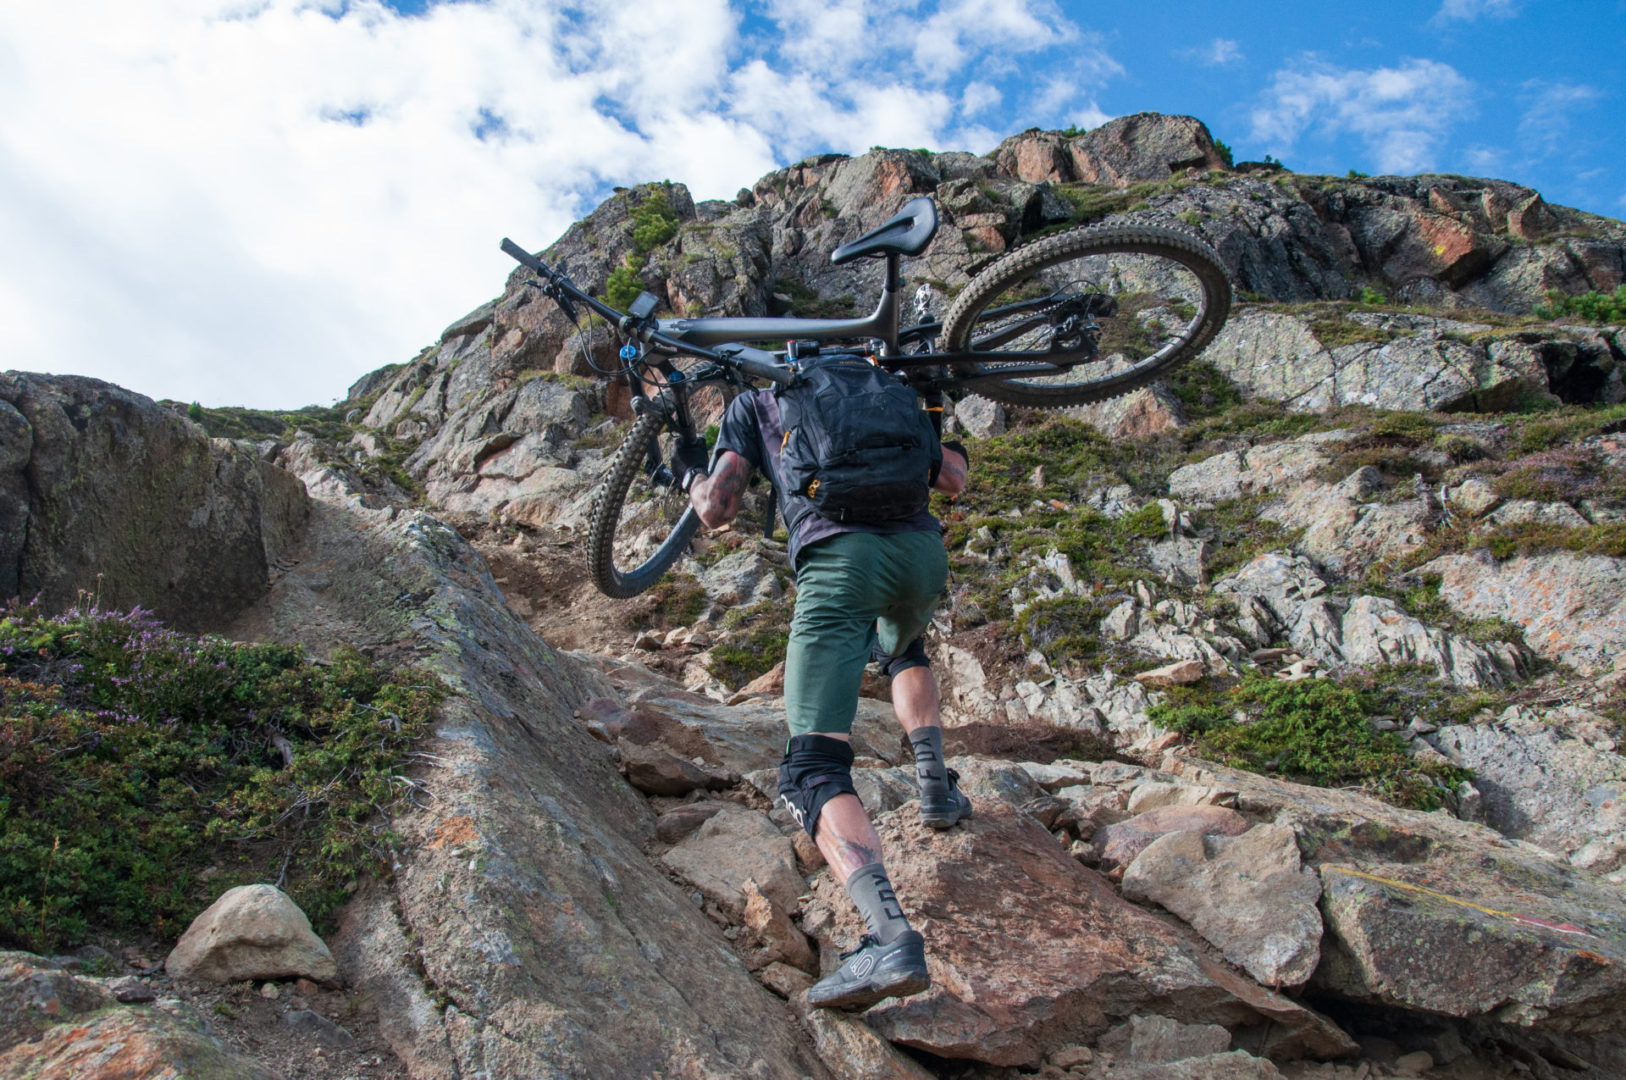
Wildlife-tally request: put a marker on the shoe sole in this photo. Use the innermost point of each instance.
(860, 997)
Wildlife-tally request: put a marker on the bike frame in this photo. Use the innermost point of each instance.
(881, 325)
(722, 341)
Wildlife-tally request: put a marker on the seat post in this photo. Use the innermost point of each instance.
(889, 301)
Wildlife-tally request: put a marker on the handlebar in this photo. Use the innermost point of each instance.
(753, 362)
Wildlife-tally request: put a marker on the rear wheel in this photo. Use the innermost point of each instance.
(641, 522)
(1087, 315)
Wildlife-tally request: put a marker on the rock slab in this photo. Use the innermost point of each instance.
(1247, 895)
(1041, 955)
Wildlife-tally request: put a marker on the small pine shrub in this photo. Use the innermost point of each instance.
(1314, 731)
(1593, 306)
(133, 759)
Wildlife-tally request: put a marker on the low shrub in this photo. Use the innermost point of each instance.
(144, 771)
(1314, 731)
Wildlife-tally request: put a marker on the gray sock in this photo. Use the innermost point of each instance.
(929, 768)
(871, 890)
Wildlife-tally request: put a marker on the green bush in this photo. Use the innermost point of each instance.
(1593, 306)
(141, 775)
(623, 286)
(654, 222)
(1314, 731)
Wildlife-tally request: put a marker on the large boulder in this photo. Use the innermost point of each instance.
(1552, 779)
(105, 492)
(251, 932)
(1247, 895)
(1038, 955)
(1415, 363)
(1426, 912)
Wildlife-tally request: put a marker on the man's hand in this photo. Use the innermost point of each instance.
(689, 455)
(951, 474)
(716, 498)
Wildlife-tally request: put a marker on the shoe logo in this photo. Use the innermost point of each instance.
(863, 965)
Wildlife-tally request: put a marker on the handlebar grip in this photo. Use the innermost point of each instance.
(522, 256)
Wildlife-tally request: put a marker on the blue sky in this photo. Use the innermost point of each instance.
(258, 201)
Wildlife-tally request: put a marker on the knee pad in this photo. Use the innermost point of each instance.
(913, 655)
(816, 769)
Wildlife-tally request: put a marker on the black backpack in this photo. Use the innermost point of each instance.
(857, 444)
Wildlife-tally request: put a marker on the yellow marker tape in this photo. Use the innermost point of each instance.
(1530, 920)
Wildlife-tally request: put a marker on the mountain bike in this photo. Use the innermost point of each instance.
(1069, 318)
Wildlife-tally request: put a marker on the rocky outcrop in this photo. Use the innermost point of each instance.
(1130, 149)
(1426, 912)
(1409, 362)
(486, 433)
(1363, 631)
(523, 902)
(56, 1023)
(1572, 608)
(1018, 971)
(1553, 779)
(106, 492)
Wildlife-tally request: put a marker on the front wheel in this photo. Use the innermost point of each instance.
(641, 522)
(1087, 315)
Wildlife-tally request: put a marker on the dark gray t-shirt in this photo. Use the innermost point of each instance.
(752, 429)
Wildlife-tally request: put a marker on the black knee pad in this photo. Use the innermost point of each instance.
(816, 769)
(913, 655)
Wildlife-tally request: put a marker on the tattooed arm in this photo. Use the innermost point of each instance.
(952, 473)
(716, 498)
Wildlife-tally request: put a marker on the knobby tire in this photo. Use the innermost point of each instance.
(630, 460)
(961, 321)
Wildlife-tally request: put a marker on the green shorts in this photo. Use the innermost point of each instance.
(851, 589)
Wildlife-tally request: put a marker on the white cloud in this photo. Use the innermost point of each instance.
(1217, 53)
(979, 96)
(1401, 113)
(257, 201)
(1472, 10)
(1548, 108)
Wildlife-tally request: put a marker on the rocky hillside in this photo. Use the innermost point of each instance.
(1289, 691)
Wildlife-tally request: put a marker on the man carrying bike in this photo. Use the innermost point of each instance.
(863, 589)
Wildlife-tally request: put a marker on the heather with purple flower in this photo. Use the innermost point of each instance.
(144, 771)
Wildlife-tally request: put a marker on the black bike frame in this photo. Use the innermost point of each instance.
(881, 325)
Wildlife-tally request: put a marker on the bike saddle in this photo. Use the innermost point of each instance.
(907, 233)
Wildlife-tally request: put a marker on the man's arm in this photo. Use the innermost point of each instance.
(952, 473)
(716, 498)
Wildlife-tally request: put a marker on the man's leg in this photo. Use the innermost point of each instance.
(836, 607)
(920, 568)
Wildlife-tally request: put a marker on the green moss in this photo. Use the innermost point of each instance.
(753, 641)
(1337, 329)
(1239, 534)
(132, 759)
(654, 222)
(1313, 731)
(1204, 391)
(1065, 628)
(1535, 539)
(677, 600)
(1592, 307)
